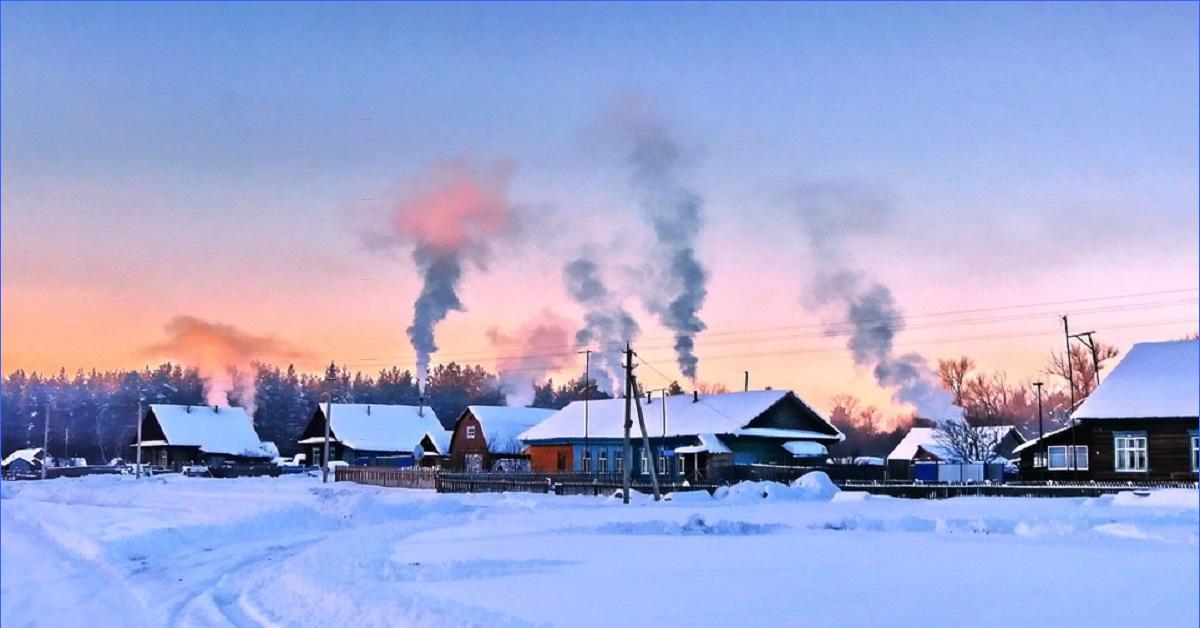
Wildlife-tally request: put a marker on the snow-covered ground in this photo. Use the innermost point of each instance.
(292, 552)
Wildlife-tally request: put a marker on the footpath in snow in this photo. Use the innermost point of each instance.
(176, 551)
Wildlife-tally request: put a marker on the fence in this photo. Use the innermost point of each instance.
(388, 476)
(557, 483)
(945, 491)
(787, 475)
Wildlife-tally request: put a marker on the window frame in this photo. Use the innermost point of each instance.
(663, 467)
(1194, 439)
(645, 462)
(1124, 451)
(602, 462)
(470, 432)
(1080, 462)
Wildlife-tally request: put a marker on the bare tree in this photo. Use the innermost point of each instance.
(953, 374)
(1080, 369)
(968, 443)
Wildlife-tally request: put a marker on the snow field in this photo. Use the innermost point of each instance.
(175, 551)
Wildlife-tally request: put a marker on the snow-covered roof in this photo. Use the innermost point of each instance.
(726, 413)
(1031, 442)
(710, 443)
(227, 430)
(926, 438)
(1155, 380)
(503, 424)
(922, 438)
(378, 427)
(805, 448)
(28, 455)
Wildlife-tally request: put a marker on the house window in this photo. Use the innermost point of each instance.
(620, 462)
(587, 461)
(561, 462)
(1129, 450)
(1195, 453)
(470, 431)
(662, 465)
(680, 465)
(645, 461)
(1060, 458)
(602, 464)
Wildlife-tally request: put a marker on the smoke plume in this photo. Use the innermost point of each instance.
(674, 211)
(536, 349)
(224, 355)
(450, 218)
(607, 326)
(832, 213)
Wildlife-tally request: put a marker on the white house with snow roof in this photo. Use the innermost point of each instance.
(178, 435)
(691, 436)
(1140, 424)
(377, 434)
(485, 438)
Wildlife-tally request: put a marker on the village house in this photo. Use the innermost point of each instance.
(377, 435)
(1140, 424)
(485, 438)
(24, 461)
(922, 447)
(692, 436)
(175, 436)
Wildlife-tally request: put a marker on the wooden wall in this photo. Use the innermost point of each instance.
(544, 458)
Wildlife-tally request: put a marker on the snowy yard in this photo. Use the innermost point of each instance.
(289, 551)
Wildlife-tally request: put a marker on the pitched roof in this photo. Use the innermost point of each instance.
(215, 431)
(1154, 380)
(503, 424)
(28, 455)
(377, 427)
(926, 438)
(727, 413)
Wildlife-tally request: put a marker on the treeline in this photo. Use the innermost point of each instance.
(93, 414)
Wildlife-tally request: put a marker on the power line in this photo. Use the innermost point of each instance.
(829, 332)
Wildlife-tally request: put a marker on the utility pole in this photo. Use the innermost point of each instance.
(1086, 338)
(637, 400)
(1041, 433)
(746, 382)
(330, 380)
(138, 472)
(587, 393)
(46, 440)
(1071, 408)
(627, 452)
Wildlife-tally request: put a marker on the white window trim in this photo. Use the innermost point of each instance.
(1144, 448)
(662, 465)
(602, 462)
(470, 431)
(645, 462)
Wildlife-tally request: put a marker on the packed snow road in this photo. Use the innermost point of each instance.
(175, 551)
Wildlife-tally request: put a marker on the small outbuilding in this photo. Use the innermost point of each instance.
(485, 438)
(377, 435)
(24, 461)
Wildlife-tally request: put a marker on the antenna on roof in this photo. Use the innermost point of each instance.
(746, 386)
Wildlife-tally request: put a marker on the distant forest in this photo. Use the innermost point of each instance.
(93, 414)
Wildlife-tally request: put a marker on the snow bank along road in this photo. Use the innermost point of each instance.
(177, 551)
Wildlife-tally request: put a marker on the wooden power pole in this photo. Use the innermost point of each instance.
(627, 452)
(45, 439)
(637, 400)
(330, 380)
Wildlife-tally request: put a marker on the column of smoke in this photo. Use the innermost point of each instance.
(831, 213)
(224, 355)
(449, 219)
(607, 326)
(531, 353)
(674, 212)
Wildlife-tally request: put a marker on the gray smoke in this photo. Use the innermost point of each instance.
(440, 274)
(674, 212)
(831, 213)
(529, 354)
(453, 214)
(607, 326)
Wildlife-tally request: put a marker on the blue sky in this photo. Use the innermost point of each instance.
(222, 144)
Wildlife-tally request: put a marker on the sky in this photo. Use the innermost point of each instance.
(1005, 164)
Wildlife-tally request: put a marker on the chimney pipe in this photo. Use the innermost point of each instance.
(649, 399)
(421, 404)
(216, 410)
(189, 408)
(746, 386)
(695, 396)
(368, 409)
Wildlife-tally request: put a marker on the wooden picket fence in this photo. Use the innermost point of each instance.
(390, 477)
